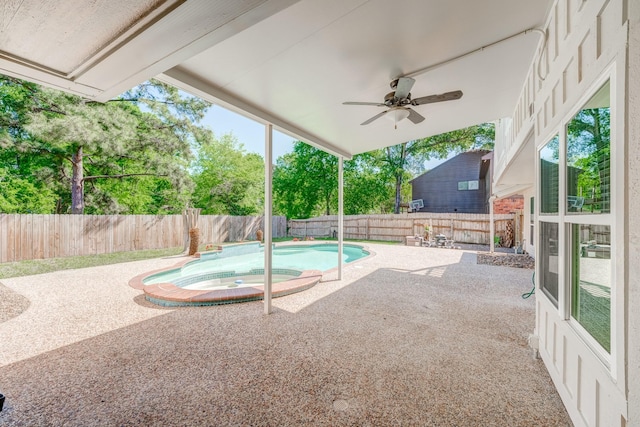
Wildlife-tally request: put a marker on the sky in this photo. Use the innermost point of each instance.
(248, 132)
(251, 134)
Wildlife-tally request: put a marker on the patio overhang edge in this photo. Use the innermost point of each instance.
(510, 191)
(28, 72)
(519, 169)
(198, 87)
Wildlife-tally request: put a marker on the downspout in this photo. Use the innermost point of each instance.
(541, 50)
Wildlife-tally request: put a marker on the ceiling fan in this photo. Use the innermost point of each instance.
(399, 100)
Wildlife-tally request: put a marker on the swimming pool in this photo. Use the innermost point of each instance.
(236, 273)
(247, 257)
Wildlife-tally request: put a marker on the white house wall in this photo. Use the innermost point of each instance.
(587, 43)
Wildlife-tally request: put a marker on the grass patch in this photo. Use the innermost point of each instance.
(40, 266)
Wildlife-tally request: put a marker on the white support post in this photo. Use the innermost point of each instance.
(268, 223)
(340, 213)
(492, 226)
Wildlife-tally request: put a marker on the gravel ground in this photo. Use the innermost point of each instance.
(411, 336)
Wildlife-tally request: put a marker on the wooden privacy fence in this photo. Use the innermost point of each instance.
(465, 228)
(24, 237)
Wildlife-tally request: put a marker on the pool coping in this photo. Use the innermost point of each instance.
(170, 295)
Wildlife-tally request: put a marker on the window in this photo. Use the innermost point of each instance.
(549, 176)
(588, 206)
(591, 280)
(468, 185)
(549, 260)
(588, 157)
(532, 220)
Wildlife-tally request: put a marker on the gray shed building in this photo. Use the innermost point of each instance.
(462, 184)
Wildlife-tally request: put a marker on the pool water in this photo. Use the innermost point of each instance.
(243, 258)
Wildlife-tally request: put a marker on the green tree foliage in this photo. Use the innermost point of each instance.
(367, 187)
(304, 182)
(21, 189)
(227, 179)
(19, 195)
(102, 157)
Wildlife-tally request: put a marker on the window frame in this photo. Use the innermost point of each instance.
(613, 360)
(550, 217)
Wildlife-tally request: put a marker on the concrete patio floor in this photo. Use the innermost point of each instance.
(411, 336)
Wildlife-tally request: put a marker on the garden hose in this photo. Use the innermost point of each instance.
(533, 290)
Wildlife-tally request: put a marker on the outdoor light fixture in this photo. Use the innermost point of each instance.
(396, 115)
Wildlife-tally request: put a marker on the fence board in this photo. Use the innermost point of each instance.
(465, 228)
(26, 243)
(25, 237)
(4, 239)
(38, 237)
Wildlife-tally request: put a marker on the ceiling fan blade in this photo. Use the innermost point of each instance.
(377, 104)
(404, 87)
(449, 96)
(376, 117)
(415, 117)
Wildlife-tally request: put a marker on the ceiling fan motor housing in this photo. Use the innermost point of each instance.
(391, 100)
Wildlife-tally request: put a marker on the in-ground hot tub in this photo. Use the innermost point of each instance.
(236, 274)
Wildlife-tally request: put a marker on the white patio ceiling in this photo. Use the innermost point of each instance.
(101, 48)
(286, 62)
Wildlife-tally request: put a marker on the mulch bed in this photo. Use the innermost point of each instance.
(507, 260)
(11, 304)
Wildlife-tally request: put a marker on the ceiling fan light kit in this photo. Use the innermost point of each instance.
(396, 115)
(399, 100)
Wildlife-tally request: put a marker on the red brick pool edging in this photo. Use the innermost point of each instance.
(175, 294)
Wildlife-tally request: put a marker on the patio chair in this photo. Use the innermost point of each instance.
(443, 241)
(431, 241)
(449, 243)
